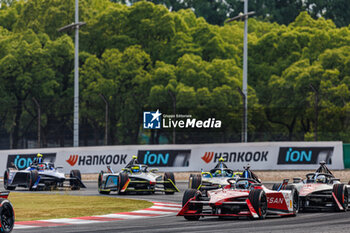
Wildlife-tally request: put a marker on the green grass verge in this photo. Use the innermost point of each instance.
(29, 206)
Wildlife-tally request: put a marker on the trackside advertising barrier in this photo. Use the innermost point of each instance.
(346, 155)
(260, 156)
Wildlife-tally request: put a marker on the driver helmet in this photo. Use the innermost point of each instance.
(237, 175)
(39, 157)
(221, 159)
(321, 179)
(243, 184)
(135, 169)
(218, 172)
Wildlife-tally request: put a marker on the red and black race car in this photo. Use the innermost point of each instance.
(320, 191)
(7, 215)
(245, 196)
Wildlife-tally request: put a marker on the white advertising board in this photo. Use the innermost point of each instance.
(194, 157)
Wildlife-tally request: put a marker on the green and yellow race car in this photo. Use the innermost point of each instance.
(214, 179)
(136, 177)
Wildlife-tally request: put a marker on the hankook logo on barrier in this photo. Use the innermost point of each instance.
(73, 159)
(305, 155)
(208, 156)
(164, 158)
(22, 161)
(246, 156)
(90, 160)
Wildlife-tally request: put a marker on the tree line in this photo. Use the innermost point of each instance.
(279, 11)
(145, 57)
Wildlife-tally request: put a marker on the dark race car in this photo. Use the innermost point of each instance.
(136, 177)
(245, 196)
(41, 176)
(7, 215)
(320, 190)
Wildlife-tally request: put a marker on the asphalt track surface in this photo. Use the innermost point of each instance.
(303, 222)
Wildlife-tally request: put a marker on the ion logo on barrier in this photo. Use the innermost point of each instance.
(164, 158)
(22, 161)
(305, 155)
(88, 160)
(247, 156)
(73, 159)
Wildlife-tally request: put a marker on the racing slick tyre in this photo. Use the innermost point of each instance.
(6, 179)
(122, 180)
(190, 193)
(100, 183)
(259, 202)
(7, 216)
(341, 193)
(74, 185)
(195, 181)
(32, 178)
(169, 176)
(295, 195)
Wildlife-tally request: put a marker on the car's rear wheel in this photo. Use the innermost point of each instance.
(195, 181)
(189, 194)
(295, 195)
(100, 183)
(341, 193)
(6, 181)
(168, 186)
(74, 185)
(7, 216)
(122, 180)
(32, 178)
(259, 202)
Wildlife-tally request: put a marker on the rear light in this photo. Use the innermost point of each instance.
(151, 182)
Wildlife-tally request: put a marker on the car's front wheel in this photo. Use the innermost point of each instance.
(7, 216)
(32, 178)
(341, 193)
(195, 181)
(74, 184)
(100, 184)
(189, 194)
(122, 180)
(6, 181)
(167, 186)
(259, 202)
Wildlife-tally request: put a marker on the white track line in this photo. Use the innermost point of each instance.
(157, 210)
(154, 212)
(165, 207)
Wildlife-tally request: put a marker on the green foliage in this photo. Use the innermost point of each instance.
(282, 12)
(144, 57)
